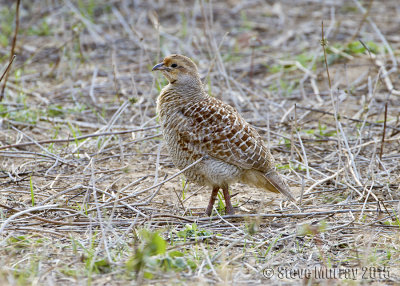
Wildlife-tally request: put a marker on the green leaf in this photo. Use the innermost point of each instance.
(175, 253)
(157, 245)
(102, 266)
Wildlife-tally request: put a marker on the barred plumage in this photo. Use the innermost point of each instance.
(196, 125)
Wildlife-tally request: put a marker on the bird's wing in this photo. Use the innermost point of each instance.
(215, 129)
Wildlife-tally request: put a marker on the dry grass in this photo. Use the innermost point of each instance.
(88, 194)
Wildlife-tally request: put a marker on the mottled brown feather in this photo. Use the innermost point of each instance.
(196, 125)
(231, 139)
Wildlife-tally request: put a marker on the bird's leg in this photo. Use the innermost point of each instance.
(212, 200)
(228, 206)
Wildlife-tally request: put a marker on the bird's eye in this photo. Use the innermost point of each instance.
(174, 65)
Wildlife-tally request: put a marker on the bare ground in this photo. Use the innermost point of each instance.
(83, 197)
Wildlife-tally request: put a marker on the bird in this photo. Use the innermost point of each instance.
(199, 127)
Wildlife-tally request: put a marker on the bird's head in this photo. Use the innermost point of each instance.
(178, 69)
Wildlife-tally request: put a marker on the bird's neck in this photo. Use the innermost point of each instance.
(175, 96)
(190, 90)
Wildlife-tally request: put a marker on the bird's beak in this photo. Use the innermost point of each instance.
(159, 66)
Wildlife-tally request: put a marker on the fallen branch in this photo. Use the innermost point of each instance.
(295, 215)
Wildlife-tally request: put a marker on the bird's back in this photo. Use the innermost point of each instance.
(205, 126)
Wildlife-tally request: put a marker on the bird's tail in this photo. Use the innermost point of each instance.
(270, 181)
(275, 182)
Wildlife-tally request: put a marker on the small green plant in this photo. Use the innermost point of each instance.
(150, 256)
(353, 48)
(27, 269)
(81, 207)
(322, 131)
(42, 29)
(275, 68)
(25, 115)
(20, 242)
(357, 48)
(56, 131)
(283, 167)
(271, 245)
(75, 132)
(68, 271)
(287, 142)
(176, 261)
(32, 192)
(297, 167)
(23, 274)
(184, 185)
(395, 222)
(305, 59)
(87, 9)
(191, 231)
(220, 203)
(145, 254)
(3, 110)
(93, 263)
(54, 110)
(312, 230)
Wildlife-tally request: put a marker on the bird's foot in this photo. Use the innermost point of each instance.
(229, 211)
(208, 211)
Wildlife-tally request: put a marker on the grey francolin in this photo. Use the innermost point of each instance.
(196, 125)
